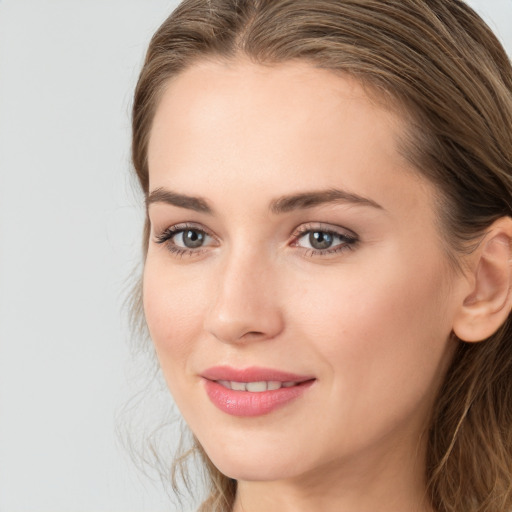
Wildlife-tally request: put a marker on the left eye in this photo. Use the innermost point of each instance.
(319, 240)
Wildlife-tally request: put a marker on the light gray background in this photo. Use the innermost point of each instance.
(69, 238)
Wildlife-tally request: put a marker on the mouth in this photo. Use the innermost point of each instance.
(253, 391)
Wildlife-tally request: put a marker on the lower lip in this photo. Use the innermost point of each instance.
(247, 403)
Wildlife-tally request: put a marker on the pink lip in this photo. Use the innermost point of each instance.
(247, 403)
(252, 374)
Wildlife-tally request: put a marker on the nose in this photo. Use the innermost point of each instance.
(245, 306)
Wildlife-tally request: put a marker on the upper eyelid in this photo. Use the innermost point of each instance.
(182, 226)
(328, 228)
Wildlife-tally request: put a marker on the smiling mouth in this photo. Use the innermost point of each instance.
(253, 391)
(254, 398)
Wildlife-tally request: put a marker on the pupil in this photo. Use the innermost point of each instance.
(193, 239)
(320, 240)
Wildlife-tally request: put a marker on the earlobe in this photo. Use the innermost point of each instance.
(489, 302)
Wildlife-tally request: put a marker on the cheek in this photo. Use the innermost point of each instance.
(377, 300)
(381, 329)
(174, 310)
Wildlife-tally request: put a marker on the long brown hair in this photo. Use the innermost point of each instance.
(444, 68)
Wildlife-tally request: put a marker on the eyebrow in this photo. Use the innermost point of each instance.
(311, 199)
(162, 195)
(280, 205)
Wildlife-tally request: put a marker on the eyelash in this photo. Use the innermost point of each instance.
(349, 240)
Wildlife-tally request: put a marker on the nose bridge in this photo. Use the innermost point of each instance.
(245, 306)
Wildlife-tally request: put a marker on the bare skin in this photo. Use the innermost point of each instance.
(368, 314)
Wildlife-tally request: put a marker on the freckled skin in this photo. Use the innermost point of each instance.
(370, 320)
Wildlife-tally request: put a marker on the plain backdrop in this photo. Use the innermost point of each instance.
(69, 239)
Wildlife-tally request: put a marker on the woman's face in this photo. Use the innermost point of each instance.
(296, 287)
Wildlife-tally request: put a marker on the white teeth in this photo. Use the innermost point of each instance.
(238, 386)
(256, 387)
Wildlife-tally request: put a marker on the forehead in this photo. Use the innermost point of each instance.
(291, 124)
(224, 92)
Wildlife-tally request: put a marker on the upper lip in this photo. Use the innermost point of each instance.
(252, 374)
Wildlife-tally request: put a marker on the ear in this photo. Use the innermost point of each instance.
(486, 307)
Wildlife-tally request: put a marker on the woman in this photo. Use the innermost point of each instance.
(327, 250)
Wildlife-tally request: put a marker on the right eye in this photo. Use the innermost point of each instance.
(190, 238)
(183, 240)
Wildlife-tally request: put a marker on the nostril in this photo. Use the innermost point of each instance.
(252, 334)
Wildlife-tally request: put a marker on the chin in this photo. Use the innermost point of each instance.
(252, 462)
(247, 470)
